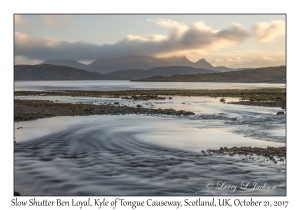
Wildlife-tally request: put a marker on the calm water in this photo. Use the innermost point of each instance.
(106, 85)
(135, 155)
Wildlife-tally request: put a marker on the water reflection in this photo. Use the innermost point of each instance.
(105, 85)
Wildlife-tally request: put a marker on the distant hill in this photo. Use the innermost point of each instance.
(268, 74)
(67, 62)
(134, 74)
(52, 72)
(104, 66)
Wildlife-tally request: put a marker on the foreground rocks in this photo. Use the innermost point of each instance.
(269, 152)
(34, 109)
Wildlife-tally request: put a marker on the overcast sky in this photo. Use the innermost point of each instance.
(223, 40)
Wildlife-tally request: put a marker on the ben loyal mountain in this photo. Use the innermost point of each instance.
(104, 66)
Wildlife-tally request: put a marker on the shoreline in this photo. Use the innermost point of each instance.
(270, 97)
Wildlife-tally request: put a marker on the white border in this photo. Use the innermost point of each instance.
(8, 8)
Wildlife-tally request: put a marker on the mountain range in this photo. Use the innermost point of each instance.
(54, 72)
(104, 66)
(160, 74)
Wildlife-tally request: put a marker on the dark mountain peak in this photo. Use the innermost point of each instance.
(202, 63)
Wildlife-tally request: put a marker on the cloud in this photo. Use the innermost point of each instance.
(166, 22)
(266, 32)
(19, 20)
(181, 41)
(25, 61)
(55, 21)
(178, 27)
(147, 38)
(246, 58)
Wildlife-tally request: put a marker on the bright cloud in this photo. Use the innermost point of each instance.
(266, 32)
(166, 22)
(147, 38)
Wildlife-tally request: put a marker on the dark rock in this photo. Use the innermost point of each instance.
(280, 113)
(16, 193)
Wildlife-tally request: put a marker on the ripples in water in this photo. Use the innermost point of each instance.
(110, 155)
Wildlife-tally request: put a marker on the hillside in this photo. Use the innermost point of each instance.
(134, 74)
(52, 72)
(67, 62)
(268, 74)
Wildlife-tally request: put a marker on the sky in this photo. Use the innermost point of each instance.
(234, 41)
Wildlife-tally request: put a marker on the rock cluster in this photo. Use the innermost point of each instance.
(269, 152)
(144, 97)
(33, 109)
